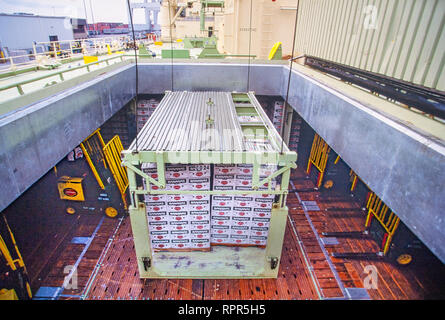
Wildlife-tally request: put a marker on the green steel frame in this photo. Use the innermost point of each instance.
(220, 262)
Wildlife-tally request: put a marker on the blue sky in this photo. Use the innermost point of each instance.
(103, 10)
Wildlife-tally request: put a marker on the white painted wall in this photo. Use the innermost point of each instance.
(19, 32)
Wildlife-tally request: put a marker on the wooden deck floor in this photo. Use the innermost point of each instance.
(108, 270)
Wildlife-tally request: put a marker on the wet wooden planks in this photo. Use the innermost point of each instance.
(118, 278)
(64, 253)
(340, 212)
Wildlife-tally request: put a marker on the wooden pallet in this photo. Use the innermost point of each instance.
(119, 279)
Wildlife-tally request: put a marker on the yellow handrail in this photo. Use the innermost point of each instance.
(84, 145)
(112, 151)
(378, 210)
(4, 251)
(318, 157)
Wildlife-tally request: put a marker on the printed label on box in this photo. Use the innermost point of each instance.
(156, 204)
(263, 203)
(241, 213)
(256, 220)
(179, 243)
(176, 187)
(220, 238)
(158, 218)
(154, 198)
(200, 217)
(243, 180)
(177, 203)
(221, 211)
(199, 213)
(260, 238)
(242, 204)
(200, 234)
(259, 231)
(175, 181)
(179, 237)
(176, 210)
(216, 221)
(240, 220)
(198, 186)
(142, 105)
(199, 207)
(198, 167)
(199, 171)
(177, 197)
(149, 167)
(226, 198)
(241, 237)
(258, 242)
(159, 233)
(182, 232)
(156, 213)
(243, 198)
(162, 224)
(177, 213)
(265, 186)
(261, 223)
(176, 174)
(175, 167)
(242, 209)
(243, 188)
(223, 188)
(267, 196)
(199, 225)
(200, 242)
(240, 229)
(151, 208)
(224, 177)
(179, 225)
(205, 197)
(199, 180)
(163, 241)
(224, 169)
(217, 229)
(261, 210)
(199, 202)
(142, 112)
(142, 118)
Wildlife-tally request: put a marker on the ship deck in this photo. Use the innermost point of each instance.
(106, 266)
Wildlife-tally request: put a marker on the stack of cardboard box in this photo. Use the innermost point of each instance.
(144, 110)
(240, 219)
(277, 117)
(194, 222)
(180, 221)
(294, 137)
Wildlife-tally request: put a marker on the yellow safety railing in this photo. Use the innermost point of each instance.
(4, 251)
(318, 157)
(112, 151)
(354, 179)
(387, 219)
(94, 144)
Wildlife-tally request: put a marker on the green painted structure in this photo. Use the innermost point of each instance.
(176, 53)
(219, 262)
